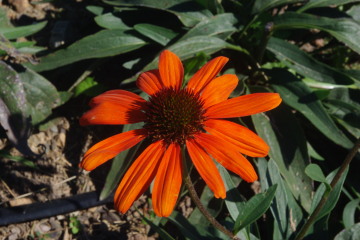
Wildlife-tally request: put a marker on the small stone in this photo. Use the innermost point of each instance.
(136, 215)
(44, 227)
(15, 230)
(13, 236)
(20, 201)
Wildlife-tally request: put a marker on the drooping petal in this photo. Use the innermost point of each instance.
(219, 89)
(110, 147)
(138, 177)
(168, 181)
(247, 141)
(112, 113)
(244, 105)
(228, 156)
(171, 69)
(120, 97)
(149, 81)
(206, 168)
(207, 73)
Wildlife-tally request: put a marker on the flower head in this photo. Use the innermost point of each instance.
(174, 118)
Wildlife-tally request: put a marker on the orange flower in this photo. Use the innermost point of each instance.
(176, 117)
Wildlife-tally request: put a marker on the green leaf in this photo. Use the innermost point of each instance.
(186, 228)
(191, 46)
(162, 233)
(158, 34)
(4, 19)
(315, 173)
(27, 93)
(96, 10)
(345, 30)
(213, 5)
(188, 48)
(233, 198)
(41, 95)
(348, 215)
(89, 87)
(22, 160)
(297, 95)
(346, 114)
(25, 97)
(354, 12)
(333, 196)
(24, 31)
(221, 25)
(324, 3)
(263, 5)
(101, 44)
(109, 21)
(254, 208)
(14, 114)
(284, 208)
(188, 12)
(282, 132)
(313, 153)
(304, 64)
(352, 233)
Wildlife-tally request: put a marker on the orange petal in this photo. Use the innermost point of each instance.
(138, 177)
(245, 140)
(149, 82)
(112, 113)
(120, 97)
(171, 69)
(110, 147)
(228, 156)
(167, 181)
(206, 168)
(219, 89)
(207, 73)
(244, 105)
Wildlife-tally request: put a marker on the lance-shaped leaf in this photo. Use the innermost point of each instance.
(332, 197)
(24, 96)
(188, 48)
(284, 208)
(304, 64)
(220, 25)
(349, 234)
(345, 30)
(101, 44)
(156, 33)
(263, 5)
(254, 208)
(188, 12)
(348, 216)
(282, 132)
(297, 95)
(110, 21)
(23, 31)
(324, 3)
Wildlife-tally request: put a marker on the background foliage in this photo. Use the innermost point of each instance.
(308, 51)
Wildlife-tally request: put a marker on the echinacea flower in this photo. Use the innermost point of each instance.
(177, 117)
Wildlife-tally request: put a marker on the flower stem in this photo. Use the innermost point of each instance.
(189, 185)
(324, 198)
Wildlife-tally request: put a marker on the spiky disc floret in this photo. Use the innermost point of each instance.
(174, 115)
